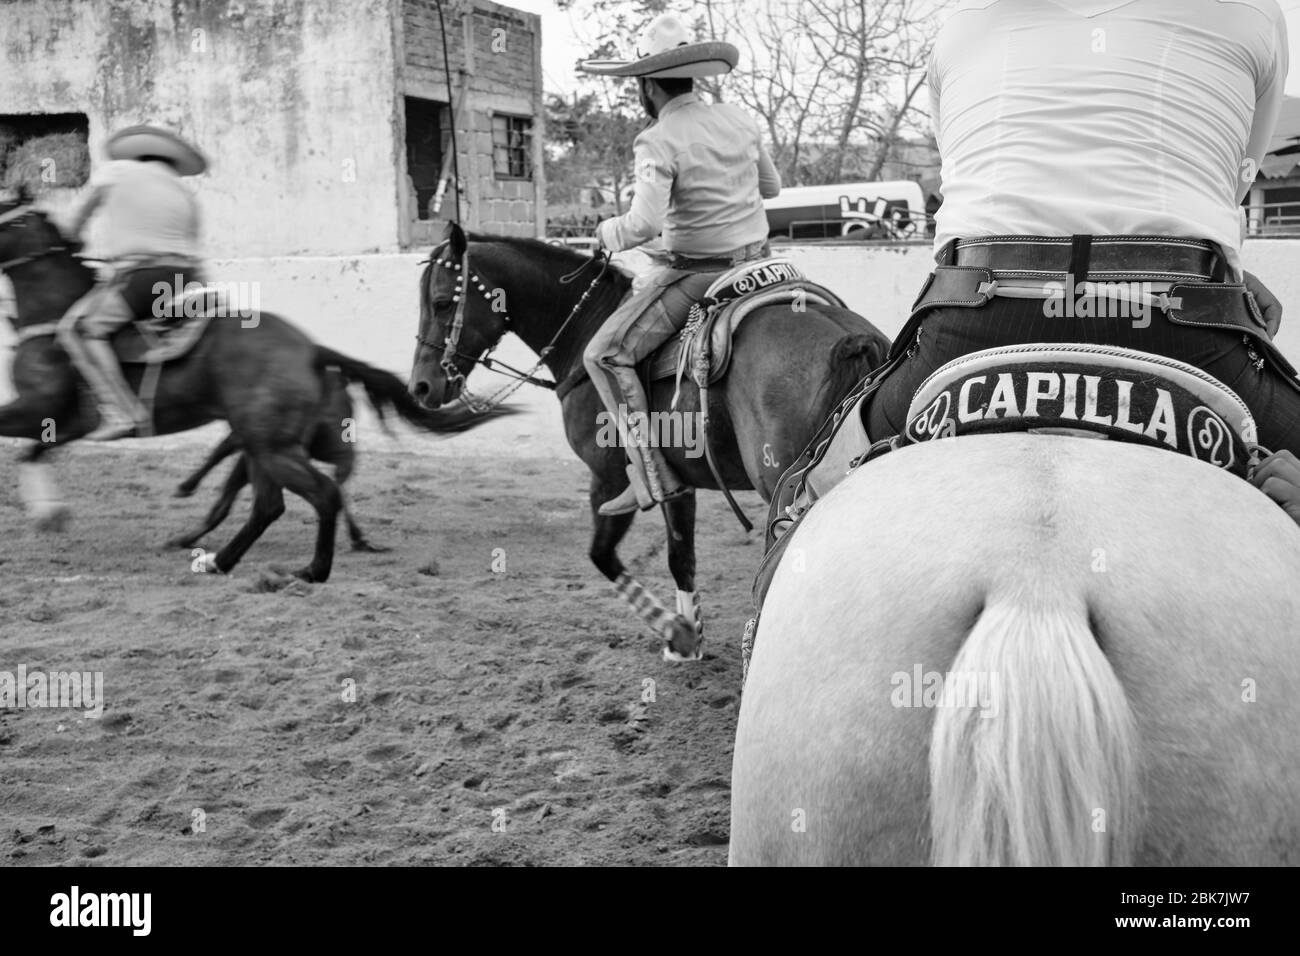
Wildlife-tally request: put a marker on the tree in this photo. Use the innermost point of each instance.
(834, 81)
(835, 84)
(589, 146)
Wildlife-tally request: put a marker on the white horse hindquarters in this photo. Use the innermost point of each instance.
(1187, 577)
(827, 769)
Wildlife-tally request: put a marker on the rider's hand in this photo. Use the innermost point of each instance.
(1278, 476)
(1268, 303)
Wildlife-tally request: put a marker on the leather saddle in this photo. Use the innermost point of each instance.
(1086, 390)
(151, 340)
(703, 349)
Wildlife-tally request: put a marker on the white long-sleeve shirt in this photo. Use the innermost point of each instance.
(146, 210)
(700, 176)
(1105, 117)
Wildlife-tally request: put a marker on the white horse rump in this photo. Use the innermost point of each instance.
(1027, 650)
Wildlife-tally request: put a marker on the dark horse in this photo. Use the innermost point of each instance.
(789, 370)
(266, 380)
(327, 442)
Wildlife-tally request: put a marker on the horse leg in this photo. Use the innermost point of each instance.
(268, 504)
(679, 517)
(326, 446)
(359, 540)
(680, 639)
(48, 416)
(40, 492)
(293, 470)
(235, 481)
(219, 454)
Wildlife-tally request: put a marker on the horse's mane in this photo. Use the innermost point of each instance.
(554, 257)
(544, 265)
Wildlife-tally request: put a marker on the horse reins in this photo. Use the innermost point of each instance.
(450, 348)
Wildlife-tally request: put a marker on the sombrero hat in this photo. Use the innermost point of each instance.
(666, 49)
(136, 141)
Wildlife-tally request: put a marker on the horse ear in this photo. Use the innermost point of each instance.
(456, 237)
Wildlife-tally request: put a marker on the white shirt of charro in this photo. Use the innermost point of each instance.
(1105, 117)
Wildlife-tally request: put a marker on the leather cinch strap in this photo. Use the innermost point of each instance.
(1100, 258)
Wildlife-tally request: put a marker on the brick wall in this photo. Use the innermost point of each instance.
(503, 64)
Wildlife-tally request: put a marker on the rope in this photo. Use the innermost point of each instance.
(455, 152)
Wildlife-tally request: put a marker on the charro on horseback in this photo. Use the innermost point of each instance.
(750, 325)
(701, 176)
(150, 237)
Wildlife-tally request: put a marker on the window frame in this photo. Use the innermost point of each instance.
(525, 149)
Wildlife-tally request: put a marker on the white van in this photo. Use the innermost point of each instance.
(885, 210)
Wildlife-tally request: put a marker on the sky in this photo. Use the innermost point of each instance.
(564, 41)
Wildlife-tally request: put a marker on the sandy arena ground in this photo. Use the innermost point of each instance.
(499, 715)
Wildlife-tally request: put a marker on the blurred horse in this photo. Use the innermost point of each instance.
(267, 380)
(328, 443)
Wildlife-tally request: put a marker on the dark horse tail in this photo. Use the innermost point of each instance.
(386, 390)
(851, 359)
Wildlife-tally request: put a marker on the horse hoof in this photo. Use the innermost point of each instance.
(205, 564)
(305, 574)
(181, 541)
(182, 491)
(54, 519)
(683, 644)
(673, 657)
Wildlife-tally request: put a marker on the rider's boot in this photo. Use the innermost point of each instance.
(119, 411)
(650, 479)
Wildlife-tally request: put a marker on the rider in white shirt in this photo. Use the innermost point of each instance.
(1149, 117)
(1067, 129)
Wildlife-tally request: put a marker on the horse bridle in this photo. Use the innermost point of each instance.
(450, 348)
(42, 329)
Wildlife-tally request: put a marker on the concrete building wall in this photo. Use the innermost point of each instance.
(293, 101)
(298, 104)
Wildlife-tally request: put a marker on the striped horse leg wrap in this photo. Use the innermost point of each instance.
(688, 606)
(645, 604)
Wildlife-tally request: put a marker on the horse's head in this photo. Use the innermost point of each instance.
(25, 232)
(462, 316)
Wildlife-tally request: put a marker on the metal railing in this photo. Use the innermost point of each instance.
(1274, 220)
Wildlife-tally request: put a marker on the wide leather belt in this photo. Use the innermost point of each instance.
(750, 253)
(1096, 258)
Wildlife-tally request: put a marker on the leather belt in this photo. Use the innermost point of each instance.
(1094, 258)
(750, 253)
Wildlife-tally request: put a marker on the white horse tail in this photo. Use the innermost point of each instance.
(1045, 773)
